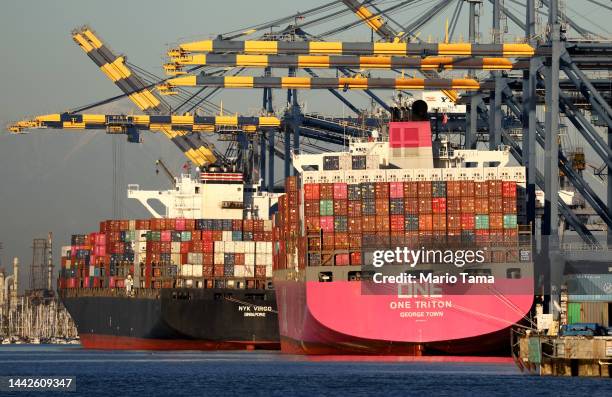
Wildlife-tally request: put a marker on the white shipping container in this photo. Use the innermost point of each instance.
(91, 270)
(239, 270)
(197, 271)
(175, 258)
(261, 259)
(249, 259)
(249, 247)
(132, 224)
(219, 246)
(65, 250)
(249, 270)
(227, 235)
(267, 226)
(186, 270)
(195, 258)
(230, 247)
(175, 247)
(268, 270)
(218, 258)
(239, 247)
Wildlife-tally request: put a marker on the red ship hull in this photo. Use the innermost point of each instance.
(111, 342)
(322, 319)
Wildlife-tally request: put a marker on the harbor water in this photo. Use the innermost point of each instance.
(119, 373)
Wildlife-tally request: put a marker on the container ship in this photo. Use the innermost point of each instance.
(400, 188)
(196, 277)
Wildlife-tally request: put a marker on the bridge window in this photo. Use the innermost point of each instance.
(513, 272)
(326, 277)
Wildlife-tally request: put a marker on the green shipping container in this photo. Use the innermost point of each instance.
(510, 222)
(326, 208)
(573, 313)
(482, 222)
(185, 236)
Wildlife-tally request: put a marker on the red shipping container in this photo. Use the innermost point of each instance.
(185, 247)
(236, 225)
(509, 205)
(355, 240)
(327, 224)
(166, 236)
(165, 247)
(510, 235)
(495, 188)
(312, 223)
(481, 205)
(218, 270)
(411, 189)
(340, 207)
(397, 223)
(382, 206)
(179, 224)
(439, 222)
(354, 225)
(207, 235)
(467, 188)
(311, 191)
(467, 204)
(342, 259)
(468, 221)
(196, 235)
(425, 205)
(411, 205)
(382, 223)
(258, 225)
(239, 259)
(355, 258)
(217, 235)
(354, 209)
(396, 189)
(124, 224)
(425, 222)
(326, 191)
(170, 224)
(482, 236)
(438, 205)
(496, 235)
(341, 241)
(381, 190)
(328, 241)
(311, 208)
(340, 191)
(424, 189)
(208, 258)
(509, 189)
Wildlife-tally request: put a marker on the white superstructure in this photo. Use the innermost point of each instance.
(213, 196)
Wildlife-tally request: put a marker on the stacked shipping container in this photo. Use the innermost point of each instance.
(340, 218)
(166, 253)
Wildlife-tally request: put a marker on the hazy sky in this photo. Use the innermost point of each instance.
(62, 182)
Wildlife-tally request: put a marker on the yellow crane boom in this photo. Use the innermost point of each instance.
(116, 69)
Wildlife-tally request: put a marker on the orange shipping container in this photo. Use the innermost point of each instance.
(467, 188)
(424, 189)
(495, 188)
(368, 223)
(425, 222)
(411, 189)
(496, 220)
(354, 225)
(453, 189)
(439, 222)
(467, 204)
(382, 223)
(481, 189)
(382, 190)
(411, 205)
(481, 205)
(340, 207)
(425, 205)
(354, 209)
(382, 206)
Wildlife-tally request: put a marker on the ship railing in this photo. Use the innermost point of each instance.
(577, 246)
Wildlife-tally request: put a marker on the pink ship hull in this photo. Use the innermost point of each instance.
(336, 317)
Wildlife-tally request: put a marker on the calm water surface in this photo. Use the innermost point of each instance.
(143, 374)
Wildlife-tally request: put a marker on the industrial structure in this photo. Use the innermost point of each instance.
(547, 66)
